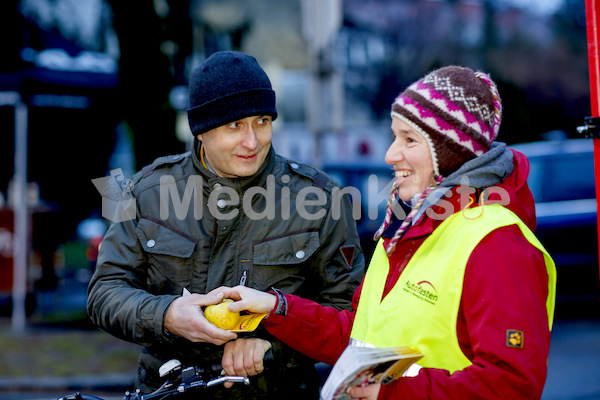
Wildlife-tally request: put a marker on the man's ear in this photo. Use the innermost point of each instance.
(199, 137)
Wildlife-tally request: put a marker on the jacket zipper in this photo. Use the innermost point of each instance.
(244, 277)
(245, 266)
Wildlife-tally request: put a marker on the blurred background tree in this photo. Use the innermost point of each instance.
(155, 40)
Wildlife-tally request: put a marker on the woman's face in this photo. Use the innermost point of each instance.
(410, 156)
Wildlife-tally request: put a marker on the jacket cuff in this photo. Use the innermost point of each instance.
(159, 322)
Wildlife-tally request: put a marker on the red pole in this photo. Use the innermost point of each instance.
(592, 12)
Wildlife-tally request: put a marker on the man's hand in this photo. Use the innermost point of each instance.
(185, 318)
(244, 357)
(247, 299)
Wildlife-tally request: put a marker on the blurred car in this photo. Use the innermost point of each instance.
(562, 181)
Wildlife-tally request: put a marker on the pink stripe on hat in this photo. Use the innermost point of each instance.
(440, 125)
(453, 109)
(458, 109)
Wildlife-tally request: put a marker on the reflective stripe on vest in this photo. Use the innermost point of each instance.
(421, 310)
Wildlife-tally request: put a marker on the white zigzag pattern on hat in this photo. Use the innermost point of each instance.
(457, 93)
(458, 114)
(432, 123)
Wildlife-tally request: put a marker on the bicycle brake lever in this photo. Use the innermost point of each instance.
(223, 379)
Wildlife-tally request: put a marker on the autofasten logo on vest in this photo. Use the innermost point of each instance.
(423, 290)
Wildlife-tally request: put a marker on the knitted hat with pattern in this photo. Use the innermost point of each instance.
(226, 87)
(457, 110)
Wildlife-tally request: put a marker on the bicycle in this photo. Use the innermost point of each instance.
(179, 381)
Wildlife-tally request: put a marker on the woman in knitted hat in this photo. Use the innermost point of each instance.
(461, 277)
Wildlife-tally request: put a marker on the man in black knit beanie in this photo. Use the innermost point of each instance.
(230, 212)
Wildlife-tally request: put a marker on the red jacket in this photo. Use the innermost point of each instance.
(505, 287)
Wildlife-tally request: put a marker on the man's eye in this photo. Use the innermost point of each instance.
(263, 121)
(234, 125)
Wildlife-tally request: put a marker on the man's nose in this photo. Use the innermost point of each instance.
(250, 141)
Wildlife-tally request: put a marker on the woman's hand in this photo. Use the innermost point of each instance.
(185, 318)
(247, 299)
(368, 392)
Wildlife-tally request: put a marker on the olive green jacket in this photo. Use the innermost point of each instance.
(282, 228)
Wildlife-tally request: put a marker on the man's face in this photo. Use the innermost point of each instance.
(239, 148)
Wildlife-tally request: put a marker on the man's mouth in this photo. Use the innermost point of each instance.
(251, 157)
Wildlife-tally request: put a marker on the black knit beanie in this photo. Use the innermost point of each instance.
(226, 87)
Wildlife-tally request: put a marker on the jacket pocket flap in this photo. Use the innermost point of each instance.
(287, 250)
(159, 239)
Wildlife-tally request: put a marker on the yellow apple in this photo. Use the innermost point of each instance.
(219, 315)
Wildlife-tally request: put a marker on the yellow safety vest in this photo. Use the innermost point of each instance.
(421, 310)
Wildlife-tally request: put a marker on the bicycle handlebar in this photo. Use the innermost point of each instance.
(180, 380)
(79, 396)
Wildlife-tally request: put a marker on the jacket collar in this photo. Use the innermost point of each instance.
(424, 224)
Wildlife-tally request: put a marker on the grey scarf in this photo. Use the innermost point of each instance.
(487, 170)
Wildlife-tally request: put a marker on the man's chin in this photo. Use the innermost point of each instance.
(245, 171)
